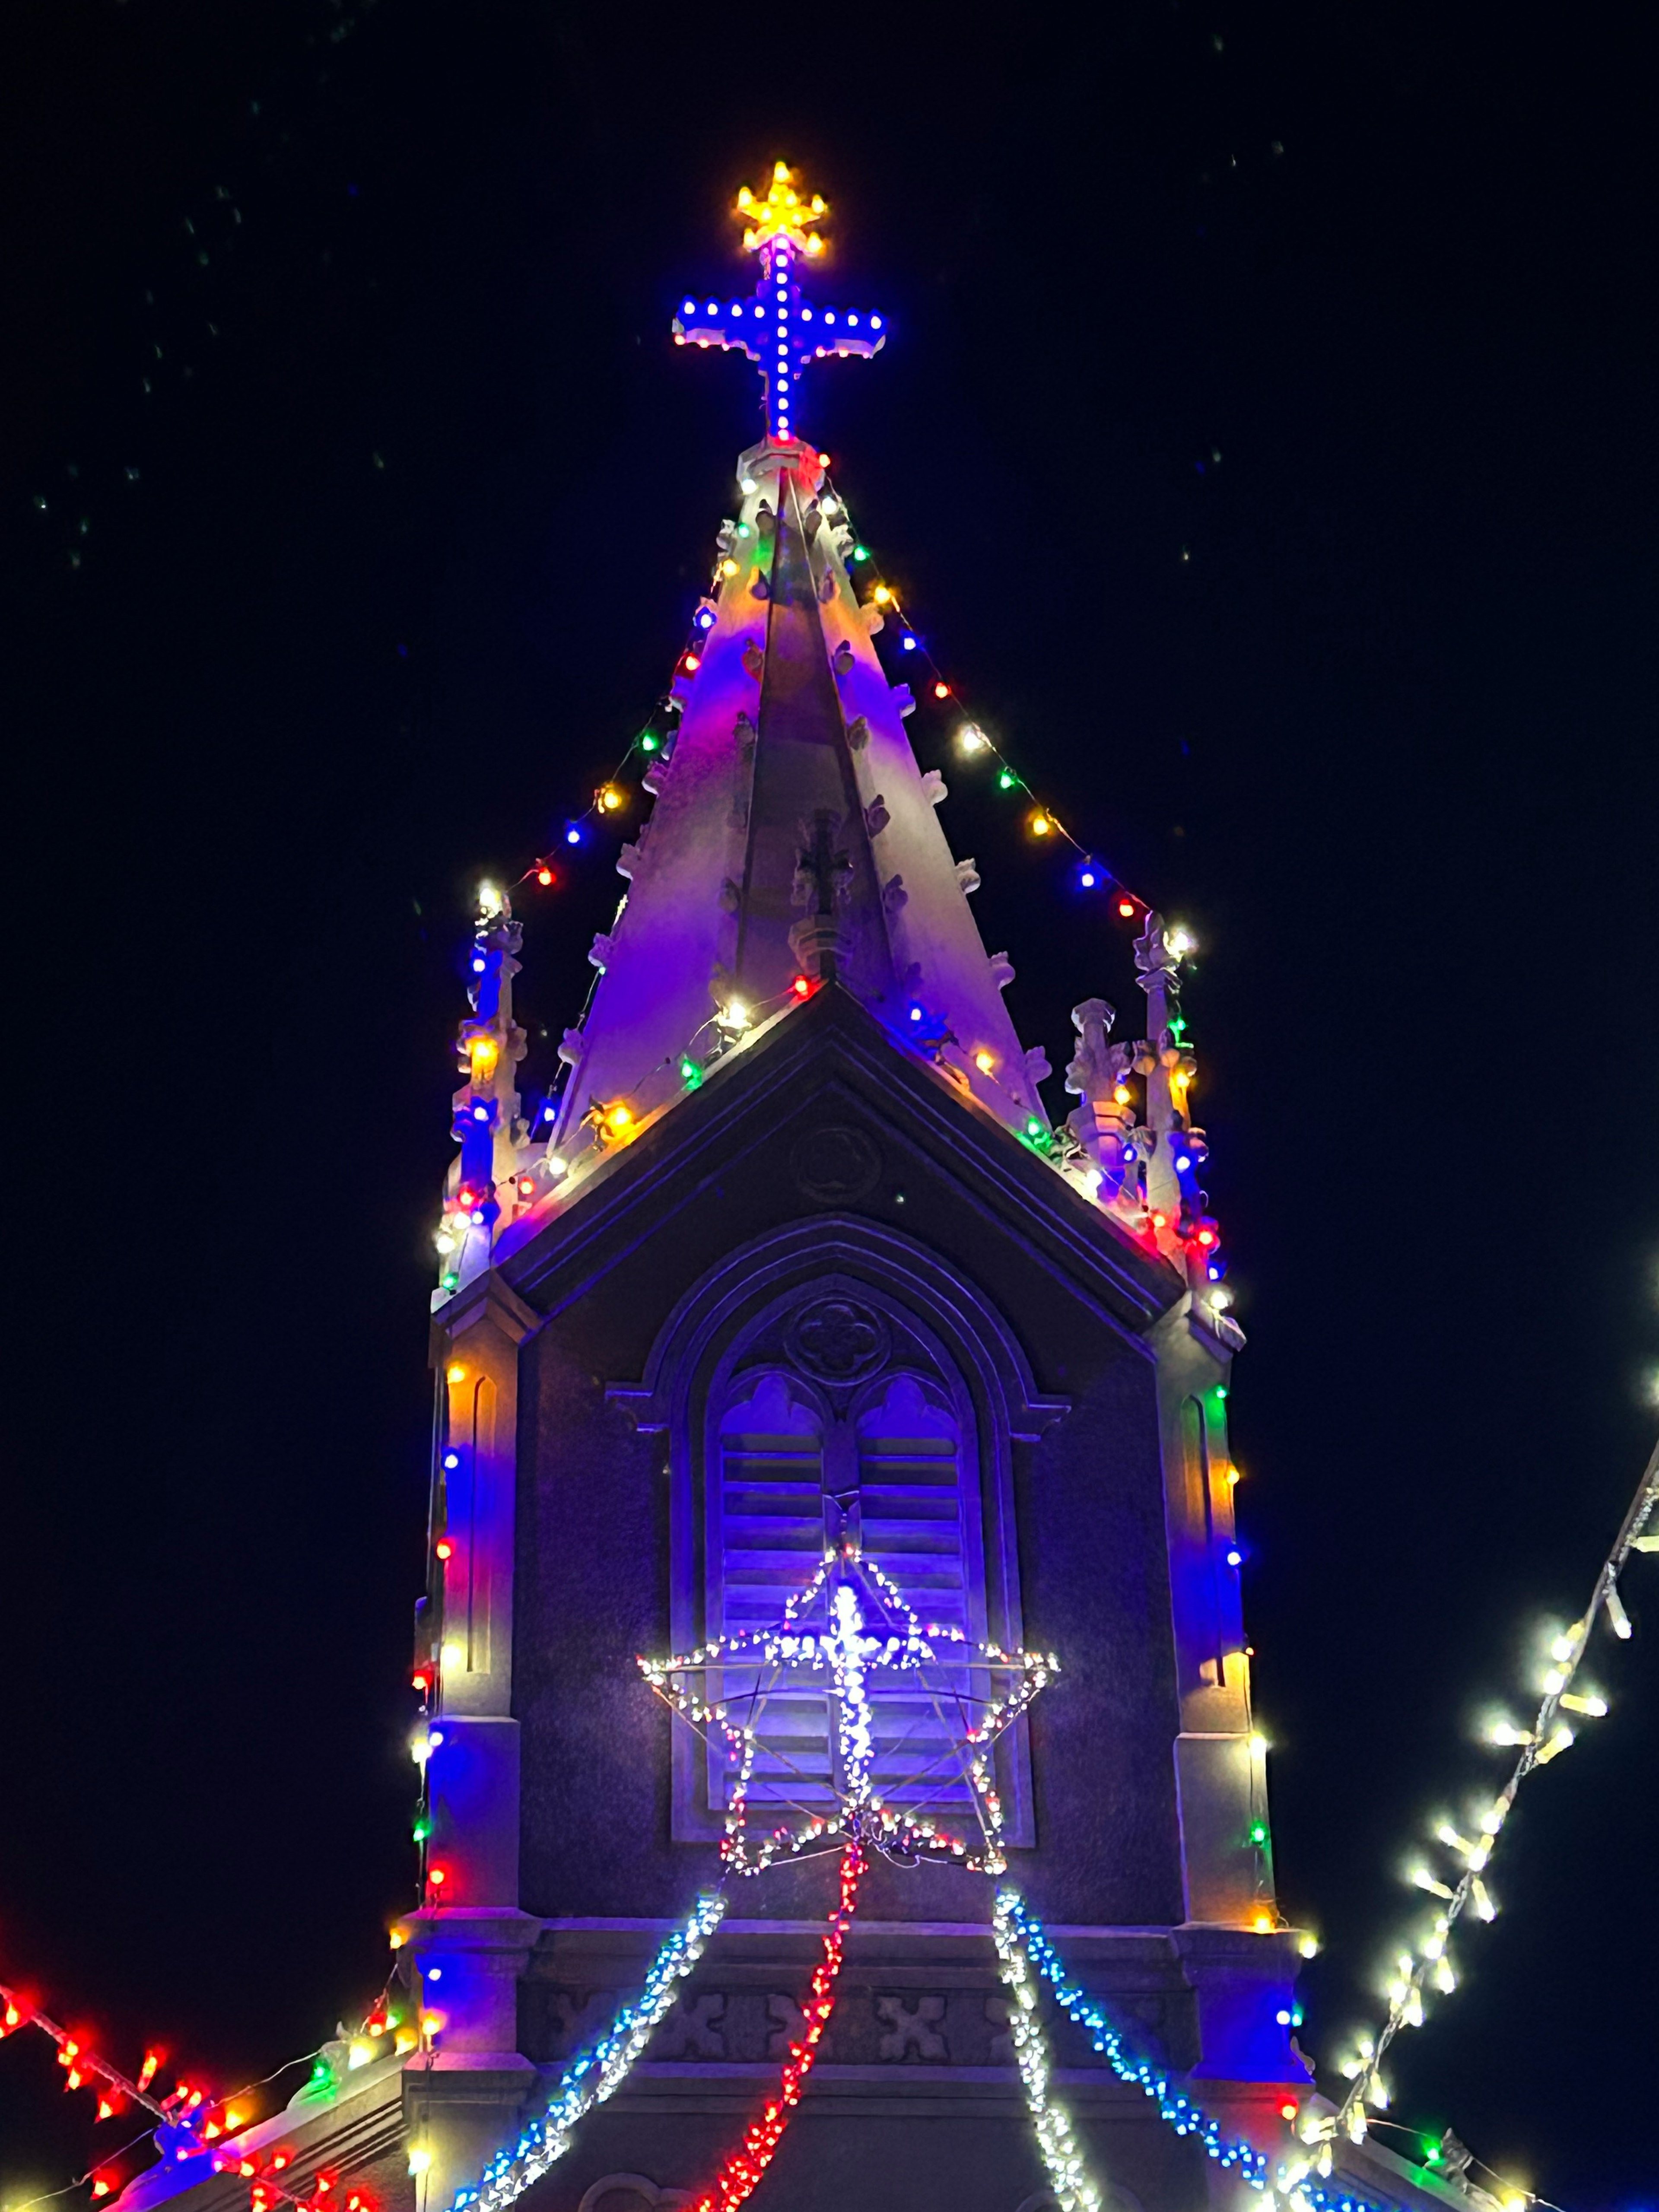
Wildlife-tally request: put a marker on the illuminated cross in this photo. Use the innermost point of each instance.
(849, 1636)
(777, 327)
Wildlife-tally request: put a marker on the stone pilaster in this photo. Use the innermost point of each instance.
(465, 2090)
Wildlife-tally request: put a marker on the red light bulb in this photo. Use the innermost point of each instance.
(1125, 907)
(444, 1548)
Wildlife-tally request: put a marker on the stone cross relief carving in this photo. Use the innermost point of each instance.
(790, 2026)
(911, 2027)
(575, 2020)
(692, 2030)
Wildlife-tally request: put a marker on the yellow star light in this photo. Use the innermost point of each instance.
(784, 213)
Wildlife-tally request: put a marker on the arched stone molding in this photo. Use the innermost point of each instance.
(739, 1328)
(972, 1330)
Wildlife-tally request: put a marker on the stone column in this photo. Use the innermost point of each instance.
(465, 2090)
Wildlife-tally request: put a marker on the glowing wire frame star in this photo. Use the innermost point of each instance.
(847, 1628)
(779, 328)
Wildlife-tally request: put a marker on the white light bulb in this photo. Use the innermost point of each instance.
(1594, 1707)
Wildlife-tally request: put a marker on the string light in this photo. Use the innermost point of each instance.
(850, 1621)
(600, 2069)
(187, 2123)
(1028, 1956)
(740, 2174)
(1427, 1966)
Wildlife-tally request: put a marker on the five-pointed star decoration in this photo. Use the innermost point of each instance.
(850, 1639)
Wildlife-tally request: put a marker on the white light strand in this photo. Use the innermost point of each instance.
(1061, 2154)
(1427, 1966)
(1019, 1935)
(600, 2069)
(843, 1644)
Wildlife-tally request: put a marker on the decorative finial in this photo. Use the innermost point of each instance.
(778, 328)
(782, 214)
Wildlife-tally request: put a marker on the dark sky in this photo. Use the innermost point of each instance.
(375, 501)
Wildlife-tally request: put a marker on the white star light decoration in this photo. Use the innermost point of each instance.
(847, 1629)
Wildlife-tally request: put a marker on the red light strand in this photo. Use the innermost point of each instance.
(740, 2174)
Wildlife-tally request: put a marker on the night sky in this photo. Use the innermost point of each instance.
(1266, 445)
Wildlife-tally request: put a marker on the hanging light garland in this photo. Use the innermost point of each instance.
(601, 2070)
(1061, 2154)
(187, 2123)
(1028, 1958)
(740, 2174)
(1426, 1970)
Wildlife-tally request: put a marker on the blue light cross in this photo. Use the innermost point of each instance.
(777, 326)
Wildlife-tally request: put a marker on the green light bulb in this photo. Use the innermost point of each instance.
(1006, 780)
(649, 742)
(860, 552)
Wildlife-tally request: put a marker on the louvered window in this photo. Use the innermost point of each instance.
(794, 1475)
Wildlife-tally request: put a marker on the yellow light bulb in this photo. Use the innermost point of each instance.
(882, 595)
(984, 1061)
(621, 1117)
(610, 798)
(728, 568)
(456, 1374)
(1041, 825)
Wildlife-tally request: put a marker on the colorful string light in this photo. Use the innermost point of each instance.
(1426, 1966)
(187, 2123)
(741, 2172)
(1028, 1957)
(1061, 2154)
(600, 2069)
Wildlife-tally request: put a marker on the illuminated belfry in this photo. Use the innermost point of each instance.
(795, 1353)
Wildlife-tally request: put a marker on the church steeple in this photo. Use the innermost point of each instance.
(795, 842)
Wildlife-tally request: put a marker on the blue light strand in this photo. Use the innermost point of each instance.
(1185, 2118)
(600, 2069)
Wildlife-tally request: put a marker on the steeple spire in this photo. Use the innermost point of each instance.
(795, 841)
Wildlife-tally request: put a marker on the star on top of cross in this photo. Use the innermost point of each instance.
(850, 1638)
(778, 327)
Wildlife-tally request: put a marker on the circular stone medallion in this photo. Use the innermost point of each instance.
(835, 1165)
